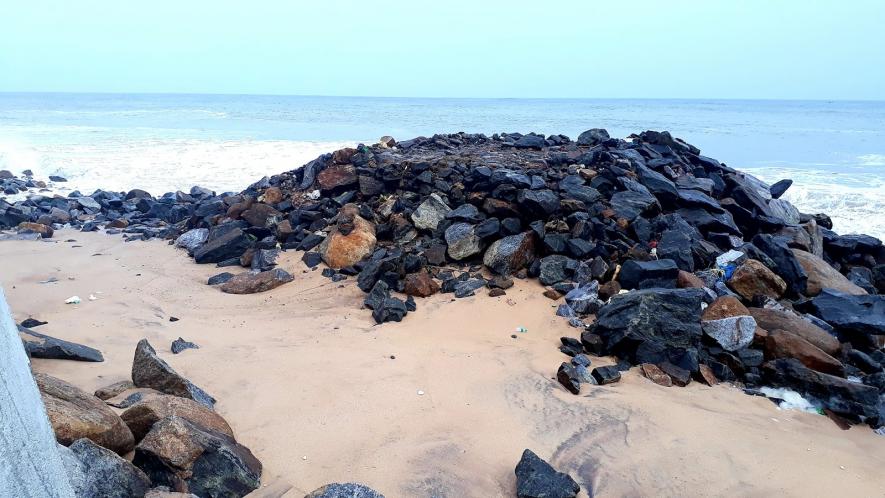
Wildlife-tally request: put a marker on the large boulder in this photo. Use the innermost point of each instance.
(593, 136)
(262, 215)
(141, 416)
(344, 490)
(352, 239)
(337, 177)
(732, 333)
(781, 344)
(535, 478)
(857, 318)
(787, 264)
(42, 346)
(231, 244)
(823, 276)
(149, 370)
(647, 274)
(462, 241)
(538, 203)
(510, 254)
(429, 213)
(752, 279)
(192, 239)
(843, 397)
(105, 474)
(75, 414)
(189, 458)
(251, 283)
(772, 319)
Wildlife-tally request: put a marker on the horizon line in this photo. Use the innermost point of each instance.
(223, 94)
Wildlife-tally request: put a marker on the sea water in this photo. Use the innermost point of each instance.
(834, 151)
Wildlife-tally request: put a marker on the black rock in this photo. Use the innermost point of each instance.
(344, 490)
(220, 278)
(778, 189)
(179, 345)
(43, 346)
(571, 346)
(680, 376)
(647, 274)
(535, 478)
(29, 323)
(567, 375)
(592, 343)
(375, 298)
(392, 309)
(608, 374)
(786, 264)
(538, 203)
(104, 473)
(856, 318)
(594, 136)
(230, 245)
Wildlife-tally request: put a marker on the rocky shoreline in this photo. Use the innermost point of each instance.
(661, 257)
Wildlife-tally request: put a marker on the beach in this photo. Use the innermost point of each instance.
(321, 394)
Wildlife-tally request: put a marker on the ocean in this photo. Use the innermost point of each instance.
(834, 151)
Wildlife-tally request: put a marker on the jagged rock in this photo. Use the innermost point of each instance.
(231, 244)
(149, 370)
(45, 231)
(724, 307)
(336, 177)
(772, 319)
(781, 344)
(192, 239)
(352, 239)
(535, 478)
(593, 136)
(345, 490)
(261, 215)
(858, 318)
(184, 456)
(732, 333)
(647, 274)
(75, 414)
(567, 375)
(752, 279)
(430, 212)
(251, 283)
(787, 264)
(462, 241)
(105, 474)
(655, 374)
(606, 375)
(114, 389)
(141, 416)
(391, 309)
(678, 375)
(420, 284)
(823, 276)
(43, 346)
(510, 254)
(179, 345)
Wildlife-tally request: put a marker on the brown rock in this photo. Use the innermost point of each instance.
(656, 375)
(753, 278)
(420, 284)
(343, 156)
(114, 389)
(706, 376)
(497, 292)
(724, 307)
(188, 458)
(118, 223)
(351, 240)
(781, 344)
(686, 280)
(609, 289)
(770, 320)
(252, 283)
(823, 276)
(142, 416)
(45, 231)
(273, 195)
(336, 177)
(261, 215)
(75, 414)
(284, 229)
(499, 208)
(552, 294)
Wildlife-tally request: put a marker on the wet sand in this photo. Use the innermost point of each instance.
(307, 382)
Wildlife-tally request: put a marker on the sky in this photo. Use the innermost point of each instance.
(746, 49)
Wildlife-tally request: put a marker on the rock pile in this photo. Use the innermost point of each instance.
(180, 442)
(693, 270)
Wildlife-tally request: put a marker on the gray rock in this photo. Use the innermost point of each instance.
(192, 239)
(430, 212)
(510, 254)
(106, 475)
(462, 241)
(88, 203)
(535, 478)
(593, 136)
(345, 490)
(732, 333)
(43, 346)
(179, 345)
(148, 370)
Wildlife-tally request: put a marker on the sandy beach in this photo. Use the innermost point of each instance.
(320, 394)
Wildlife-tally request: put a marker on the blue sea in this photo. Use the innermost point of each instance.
(833, 150)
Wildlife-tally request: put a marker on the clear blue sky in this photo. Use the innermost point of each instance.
(801, 49)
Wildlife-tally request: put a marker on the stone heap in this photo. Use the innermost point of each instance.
(691, 268)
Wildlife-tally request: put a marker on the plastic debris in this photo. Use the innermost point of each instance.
(92, 297)
(73, 300)
(420, 393)
(50, 280)
(522, 330)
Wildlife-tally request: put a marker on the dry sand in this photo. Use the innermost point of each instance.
(307, 382)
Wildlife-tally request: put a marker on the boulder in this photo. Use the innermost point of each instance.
(262, 215)
(568, 376)
(655, 374)
(231, 244)
(787, 264)
(184, 456)
(823, 276)
(554, 269)
(781, 344)
(510, 254)
(429, 213)
(143, 414)
(538, 204)
(647, 274)
(105, 474)
(45, 231)
(337, 177)
(192, 239)
(109, 391)
(858, 318)
(420, 284)
(535, 478)
(75, 414)
(593, 136)
(344, 490)
(724, 307)
(179, 345)
(772, 319)
(752, 279)
(606, 375)
(352, 239)
(732, 333)
(462, 241)
(149, 370)
(251, 283)
(42, 346)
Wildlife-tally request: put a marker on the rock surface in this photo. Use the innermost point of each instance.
(535, 478)
(149, 370)
(106, 475)
(344, 490)
(43, 346)
(141, 416)
(252, 283)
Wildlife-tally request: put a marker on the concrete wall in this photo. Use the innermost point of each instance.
(30, 464)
